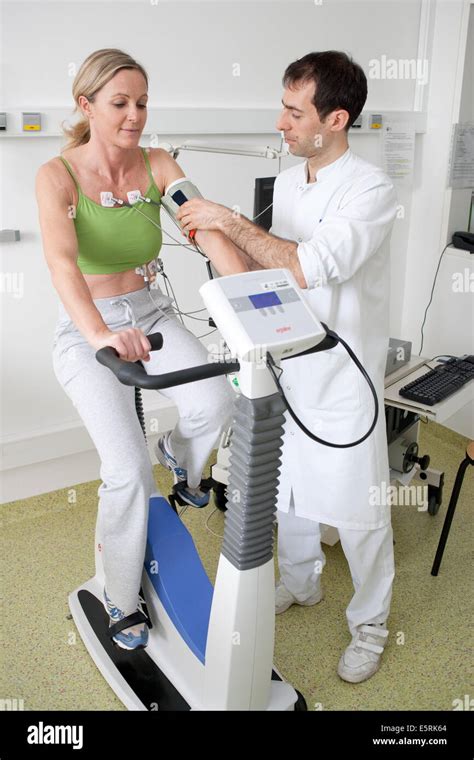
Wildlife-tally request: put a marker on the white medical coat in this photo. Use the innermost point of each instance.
(341, 223)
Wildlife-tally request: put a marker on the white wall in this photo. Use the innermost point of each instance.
(461, 197)
(435, 208)
(189, 50)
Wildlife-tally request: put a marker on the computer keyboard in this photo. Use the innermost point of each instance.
(441, 382)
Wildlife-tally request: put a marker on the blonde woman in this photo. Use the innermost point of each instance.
(92, 255)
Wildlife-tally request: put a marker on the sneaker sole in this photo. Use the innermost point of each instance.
(349, 678)
(191, 503)
(129, 649)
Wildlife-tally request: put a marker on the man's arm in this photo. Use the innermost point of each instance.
(261, 248)
(225, 255)
(341, 243)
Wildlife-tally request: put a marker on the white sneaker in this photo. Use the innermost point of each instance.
(284, 598)
(362, 657)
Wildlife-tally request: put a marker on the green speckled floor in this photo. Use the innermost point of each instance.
(48, 552)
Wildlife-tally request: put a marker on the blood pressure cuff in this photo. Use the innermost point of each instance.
(180, 191)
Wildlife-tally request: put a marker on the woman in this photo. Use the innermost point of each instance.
(92, 252)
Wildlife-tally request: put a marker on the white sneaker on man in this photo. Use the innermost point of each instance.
(284, 598)
(362, 657)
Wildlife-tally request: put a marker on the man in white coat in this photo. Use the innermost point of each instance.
(332, 217)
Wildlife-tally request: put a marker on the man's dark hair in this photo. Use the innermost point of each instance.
(340, 83)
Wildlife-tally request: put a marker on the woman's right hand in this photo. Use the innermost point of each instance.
(131, 345)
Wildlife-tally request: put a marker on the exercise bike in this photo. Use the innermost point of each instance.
(212, 649)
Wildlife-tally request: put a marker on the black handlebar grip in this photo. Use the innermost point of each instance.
(156, 341)
(127, 372)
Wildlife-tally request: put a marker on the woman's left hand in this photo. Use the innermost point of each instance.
(200, 214)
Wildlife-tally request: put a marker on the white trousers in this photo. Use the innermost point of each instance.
(369, 554)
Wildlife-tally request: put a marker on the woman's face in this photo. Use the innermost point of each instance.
(119, 111)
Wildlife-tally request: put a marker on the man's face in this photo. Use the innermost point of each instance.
(120, 109)
(305, 134)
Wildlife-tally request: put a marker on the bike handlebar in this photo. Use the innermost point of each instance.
(134, 373)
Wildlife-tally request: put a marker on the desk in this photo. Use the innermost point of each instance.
(416, 367)
(403, 420)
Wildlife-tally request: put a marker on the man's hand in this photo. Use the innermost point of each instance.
(200, 214)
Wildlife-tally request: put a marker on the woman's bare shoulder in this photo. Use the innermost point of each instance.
(55, 172)
(163, 167)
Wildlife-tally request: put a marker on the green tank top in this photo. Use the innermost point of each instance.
(114, 239)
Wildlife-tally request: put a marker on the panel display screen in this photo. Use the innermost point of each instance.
(262, 300)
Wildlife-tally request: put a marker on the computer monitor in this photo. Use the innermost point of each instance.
(263, 199)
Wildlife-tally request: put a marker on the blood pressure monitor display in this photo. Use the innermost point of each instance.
(262, 300)
(179, 197)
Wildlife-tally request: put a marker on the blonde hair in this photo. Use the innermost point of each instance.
(98, 69)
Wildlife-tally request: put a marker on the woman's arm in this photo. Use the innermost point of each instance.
(61, 251)
(226, 257)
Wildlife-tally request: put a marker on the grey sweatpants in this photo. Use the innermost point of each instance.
(107, 409)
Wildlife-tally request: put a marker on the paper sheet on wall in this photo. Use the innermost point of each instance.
(399, 152)
(461, 169)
